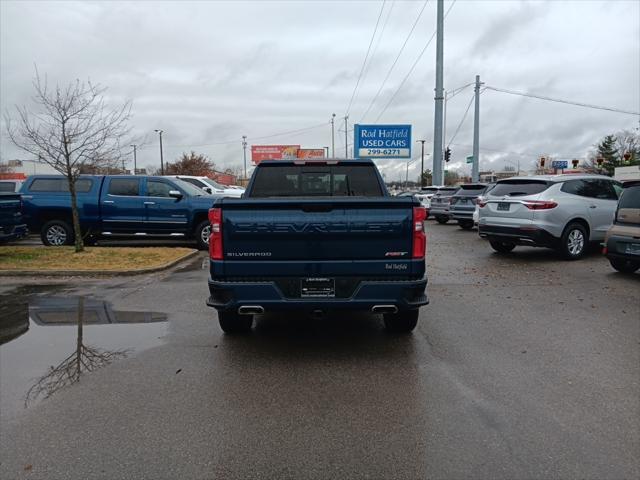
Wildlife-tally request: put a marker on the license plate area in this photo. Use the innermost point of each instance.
(503, 207)
(317, 287)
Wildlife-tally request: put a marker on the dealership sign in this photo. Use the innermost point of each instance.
(382, 141)
(273, 152)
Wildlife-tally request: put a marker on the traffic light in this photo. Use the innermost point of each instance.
(575, 162)
(627, 156)
(542, 161)
(447, 154)
(600, 160)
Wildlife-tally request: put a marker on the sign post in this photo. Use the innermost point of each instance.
(382, 141)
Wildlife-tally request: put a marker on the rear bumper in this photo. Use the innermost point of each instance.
(404, 294)
(617, 248)
(461, 214)
(13, 232)
(439, 211)
(531, 236)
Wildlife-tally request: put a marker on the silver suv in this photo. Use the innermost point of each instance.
(564, 212)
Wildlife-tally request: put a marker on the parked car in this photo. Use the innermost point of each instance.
(463, 203)
(421, 197)
(622, 242)
(317, 237)
(439, 205)
(12, 225)
(117, 206)
(564, 212)
(210, 186)
(10, 186)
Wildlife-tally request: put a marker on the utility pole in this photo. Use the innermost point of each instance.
(422, 166)
(475, 166)
(159, 132)
(244, 153)
(333, 136)
(123, 166)
(135, 160)
(439, 97)
(346, 133)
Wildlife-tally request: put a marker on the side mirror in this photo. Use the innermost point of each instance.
(175, 194)
(208, 190)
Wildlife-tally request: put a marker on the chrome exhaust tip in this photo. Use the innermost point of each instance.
(251, 310)
(384, 309)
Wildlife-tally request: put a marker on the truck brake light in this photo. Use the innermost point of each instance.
(419, 237)
(215, 240)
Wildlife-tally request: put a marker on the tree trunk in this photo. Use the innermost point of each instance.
(76, 218)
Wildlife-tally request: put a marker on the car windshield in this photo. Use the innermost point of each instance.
(214, 184)
(191, 190)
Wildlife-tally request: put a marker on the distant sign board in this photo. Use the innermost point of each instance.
(311, 153)
(382, 141)
(561, 164)
(470, 159)
(273, 152)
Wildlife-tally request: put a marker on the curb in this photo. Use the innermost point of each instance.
(96, 273)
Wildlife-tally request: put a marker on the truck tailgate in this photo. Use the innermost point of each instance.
(327, 236)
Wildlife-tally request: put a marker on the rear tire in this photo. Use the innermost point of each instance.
(624, 266)
(465, 224)
(202, 233)
(574, 241)
(401, 322)
(56, 233)
(502, 247)
(442, 220)
(233, 323)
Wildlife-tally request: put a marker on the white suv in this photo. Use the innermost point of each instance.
(210, 186)
(564, 212)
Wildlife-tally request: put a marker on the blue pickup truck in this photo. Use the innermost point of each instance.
(317, 236)
(121, 206)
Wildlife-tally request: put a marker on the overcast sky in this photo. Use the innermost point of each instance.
(209, 72)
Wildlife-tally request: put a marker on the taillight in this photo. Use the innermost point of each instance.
(215, 240)
(540, 204)
(481, 202)
(419, 237)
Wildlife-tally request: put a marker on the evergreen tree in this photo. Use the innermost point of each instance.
(607, 149)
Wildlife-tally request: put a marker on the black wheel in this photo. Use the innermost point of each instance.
(401, 322)
(232, 322)
(442, 220)
(574, 241)
(203, 231)
(624, 266)
(502, 247)
(56, 233)
(465, 224)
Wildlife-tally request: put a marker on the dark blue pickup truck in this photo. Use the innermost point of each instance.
(12, 226)
(117, 206)
(317, 236)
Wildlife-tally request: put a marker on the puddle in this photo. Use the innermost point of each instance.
(48, 343)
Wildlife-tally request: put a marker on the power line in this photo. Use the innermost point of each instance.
(236, 141)
(366, 57)
(413, 66)
(461, 121)
(384, 82)
(558, 100)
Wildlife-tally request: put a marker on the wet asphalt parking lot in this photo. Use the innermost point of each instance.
(523, 366)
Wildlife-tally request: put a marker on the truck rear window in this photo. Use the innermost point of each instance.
(317, 181)
(516, 188)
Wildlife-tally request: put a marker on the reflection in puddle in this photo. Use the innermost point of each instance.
(48, 343)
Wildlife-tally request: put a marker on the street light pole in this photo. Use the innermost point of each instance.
(333, 136)
(346, 133)
(159, 132)
(135, 160)
(439, 97)
(244, 154)
(422, 166)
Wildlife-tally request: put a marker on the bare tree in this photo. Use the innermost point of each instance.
(72, 130)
